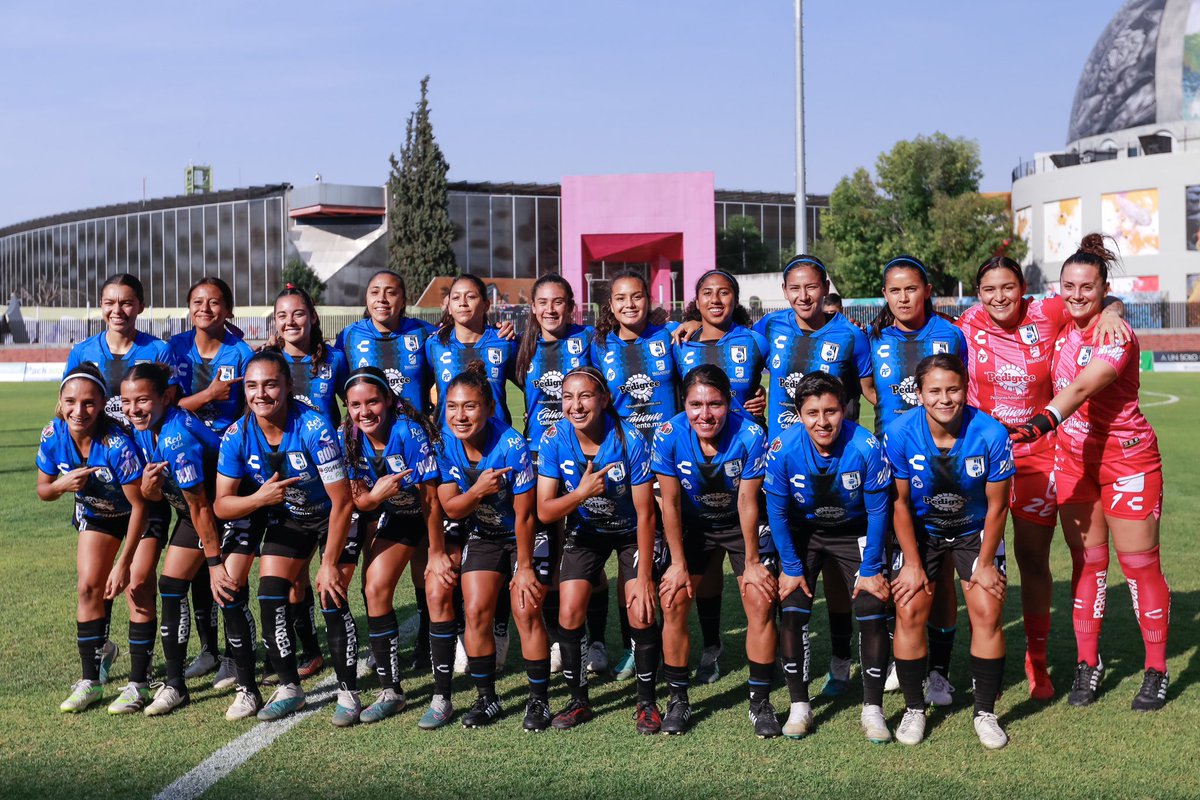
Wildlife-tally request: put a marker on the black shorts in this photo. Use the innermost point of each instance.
(454, 532)
(184, 535)
(585, 556)
(405, 529)
(817, 549)
(963, 549)
(699, 548)
(158, 521)
(292, 538)
(243, 537)
(483, 554)
(768, 556)
(115, 527)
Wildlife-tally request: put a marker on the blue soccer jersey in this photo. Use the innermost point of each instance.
(641, 375)
(741, 353)
(188, 447)
(94, 350)
(543, 381)
(320, 392)
(309, 451)
(117, 460)
(407, 448)
(400, 354)
(195, 373)
(894, 358)
(560, 457)
(949, 496)
(450, 358)
(837, 348)
(842, 494)
(495, 517)
(709, 486)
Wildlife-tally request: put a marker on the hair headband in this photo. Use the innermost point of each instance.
(805, 261)
(723, 273)
(368, 376)
(86, 376)
(907, 261)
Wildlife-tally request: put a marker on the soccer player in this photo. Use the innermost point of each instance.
(827, 484)
(85, 453)
(1108, 476)
(952, 465)
(318, 370)
(594, 470)
(488, 481)
(291, 454)
(392, 467)
(709, 462)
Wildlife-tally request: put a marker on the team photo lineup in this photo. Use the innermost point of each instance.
(389, 447)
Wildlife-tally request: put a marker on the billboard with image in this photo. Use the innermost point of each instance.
(1023, 229)
(1131, 218)
(1062, 229)
(1192, 218)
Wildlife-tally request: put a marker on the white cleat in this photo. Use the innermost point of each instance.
(892, 682)
(912, 727)
(988, 729)
(874, 725)
(244, 706)
(201, 665)
(799, 721)
(938, 690)
(555, 658)
(166, 700)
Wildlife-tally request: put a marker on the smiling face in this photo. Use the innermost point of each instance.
(80, 403)
(385, 300)
(943, 393)
(1000, 293)
(805, 288)
(583, 402)
(552, 308)
(715, 300)
(1083, 289)
(267, 390)
(822, 417)
(630, 304)
(707, 410)
(142, 404)
(293, 321)
(906, 291)
(208, 309)
(467, 410)
(467, 306)
(368, 407)
(119, 307)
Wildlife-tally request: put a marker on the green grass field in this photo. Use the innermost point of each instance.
(1056, 750)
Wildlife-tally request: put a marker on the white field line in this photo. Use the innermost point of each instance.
(1170, 399)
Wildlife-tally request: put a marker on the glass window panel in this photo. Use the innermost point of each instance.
(225, 242)
(502, 237)
(770, 229)
(457, 207)
(787, 228)
(547, 234)
(170, 272)
(256, 279)
(755, 212)
(479, 227)
(196, 254)
(525, 255)
(166, 284)
(241, 248)
(212, 231)
(275, 251)
(152, 282)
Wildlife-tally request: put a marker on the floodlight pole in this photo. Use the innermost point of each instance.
(801, 199)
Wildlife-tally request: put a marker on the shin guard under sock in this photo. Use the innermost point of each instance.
(1037, 632)
(90, 637)
(342, 635)
(176, 625)
(873, 649)
(571, 644)
(384, 634)
(207, 628)
(1151, 603)
(141, 649)
(277, 629)
(911, 674)
(647, 647)
(304, 620)
(988, 674)
(1090, 598)
(941, 648)
(442, 640)
(240, 635)
(795, 651)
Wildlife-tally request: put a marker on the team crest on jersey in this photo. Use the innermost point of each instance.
(412, 343)
(658, 349)
(225, 372)
(617, 473)
(975, 466)
(830, 350)
(326, 372)
(297, 460)
(738, 354)
(396, 463)
(495, 355)
(104, 475)
(776, 445)
(1085, 356)
(733, 468)
(851, 480)
(1029, 334)
(665, 429)
(941, 347)
(574, 346)
(48, 431)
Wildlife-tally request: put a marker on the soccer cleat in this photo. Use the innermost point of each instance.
(576, 713)
(288, 698)
(485, 711)
(108, 656)
(348, 709)
(709, 670)
(648, 718)
(83, 694)
(874, 725)
(938, 691)
(624, 669)
(596, 659)
(460, 657)
(387, 703)
(988, 729)
(799, 722)
(766, 724)
(1087, 681)
(1040, 687)
(438, 714)
(167, 699)
(501, 652)
(838, 682)
(310, 665)
(892, 682)
(201, 665)
(911, 729)
(537, 715)
(677, 718)
(132, 699)
(1153, 694)
(555, 658)
(245, 704)
(226, 675)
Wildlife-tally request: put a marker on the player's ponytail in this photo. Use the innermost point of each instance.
(474, 376)
(1092, 251)
(159, 376)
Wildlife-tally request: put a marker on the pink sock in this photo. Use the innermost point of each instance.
(1151, 602)
(1037, 631)
(1090, 598)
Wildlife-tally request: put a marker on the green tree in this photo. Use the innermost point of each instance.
(421, 236)
(740, 247)
(302, 276)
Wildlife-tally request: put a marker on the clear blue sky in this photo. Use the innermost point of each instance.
(96, 97)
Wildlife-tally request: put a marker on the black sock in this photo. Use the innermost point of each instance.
(90, 636)
(460, 616)
(421, 643)
(384, 634)
(841, 630)
(483, 674)
(873, 653)
(571, 644)
(442, 640)
(205, 610)
(108, 606)
(503, 611)
(342, 635)
(550, 612)
(141, 649)
(760, 681)
(647, 647)
(708, 611)
(176, 622)
(597, 613)
(911, 674)
(941, 645)
(795, 650)
(626, 631)
(305, 622)
(988, 674)
(538, 673)
(277, 629)
(240, 637)
(678, 679)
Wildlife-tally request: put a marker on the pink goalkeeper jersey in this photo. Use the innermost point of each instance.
(1010, 368)
(1110, 425)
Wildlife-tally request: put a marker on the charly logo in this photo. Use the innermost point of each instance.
(947, 502)
(1012, 378)
(639, 387)
(550, 383)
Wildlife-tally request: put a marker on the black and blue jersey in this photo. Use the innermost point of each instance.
(613, 513)
(837, 348)
(114, 453)
(641, 375)
(894, 358)
(319, 392)
(309, 451)
(400, 354)
(495, 517)
(842, 494)
(949, 490)
(188, 447)
(710, 485)
(94, 350)
(740, 353)
(195, 373)
(407, 448)
(543, 381)
(452, 357)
